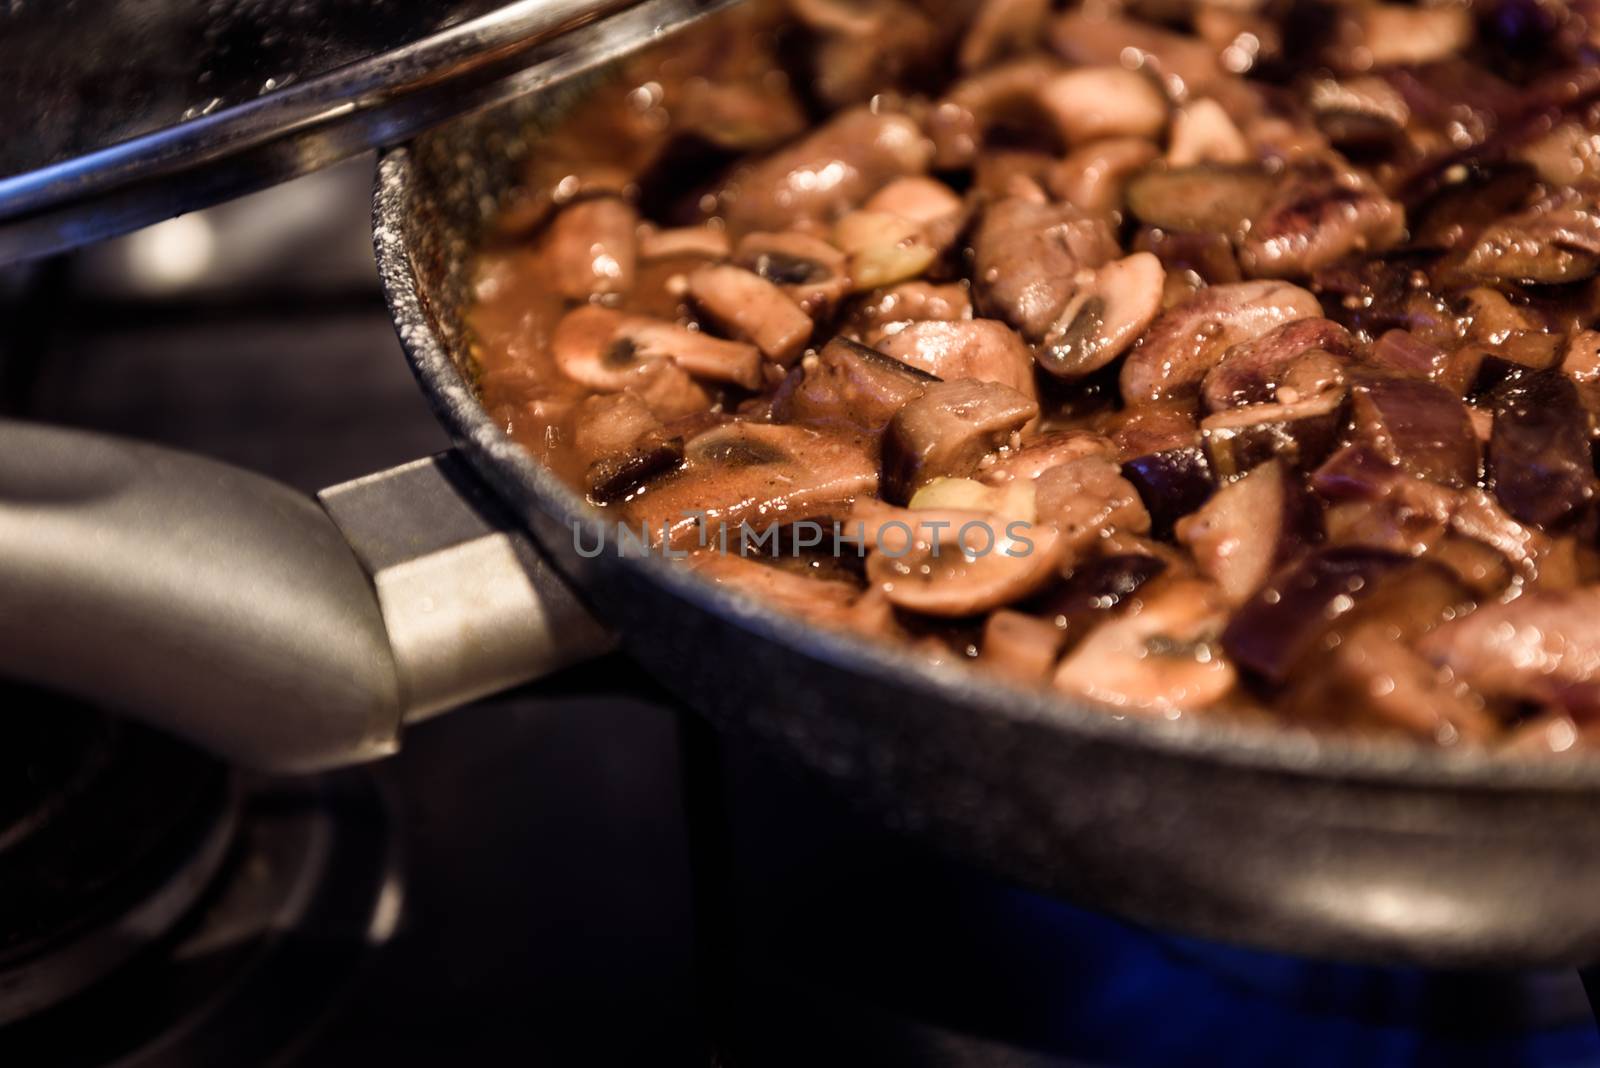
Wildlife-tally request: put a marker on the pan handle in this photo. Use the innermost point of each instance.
(234, 612)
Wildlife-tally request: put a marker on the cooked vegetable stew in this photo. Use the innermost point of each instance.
(1191, 357)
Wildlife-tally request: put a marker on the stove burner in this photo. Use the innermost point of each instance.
(108, 836)
(156, 908)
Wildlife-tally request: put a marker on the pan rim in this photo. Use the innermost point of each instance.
(1270, 750)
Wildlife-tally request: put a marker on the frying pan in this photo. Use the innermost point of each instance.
(296, 636)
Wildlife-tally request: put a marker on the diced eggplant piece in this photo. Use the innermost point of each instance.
(1409, 516)
(1154, 427)
(1313, 218)
(848, 386)
(820, 177)
(1543, 647)
(1460, 209)
(1108, 312)
(1172, 484)
(1020, 646)
(1251, 527)
(1096, 588)
(1370, 680)
(1208, 198)
(1355, 471)
(1539, 464)
(622, 445)
(1555, 240)
(1405, 354)
(976, 563)
(1249, 372)
(1288, 619)
(807, 268)
(983, 349)
(591, 248)
(1026, 258)
(756, 473)
(1395, 35)
(1417, 424)
(1160, 657)
(947, 430)
(1302, 434)
(751, 308)
(1186, 342)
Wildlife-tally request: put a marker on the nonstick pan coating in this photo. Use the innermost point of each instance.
(1345, 849)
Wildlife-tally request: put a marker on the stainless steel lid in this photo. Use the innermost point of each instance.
(119, 113)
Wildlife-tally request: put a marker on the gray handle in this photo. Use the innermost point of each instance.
(234, 612)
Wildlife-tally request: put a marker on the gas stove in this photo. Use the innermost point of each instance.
(576, 873)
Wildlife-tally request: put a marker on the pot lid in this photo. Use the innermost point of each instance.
(120, 113)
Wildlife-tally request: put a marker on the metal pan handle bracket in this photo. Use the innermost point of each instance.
(235, 612)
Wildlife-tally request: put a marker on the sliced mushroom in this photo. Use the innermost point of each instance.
(1152, 427)
(818, 600)
(946, 430)
(1026, 258)
(608, 350)
(1555, 240)
(591, 248)
(850, 386)
(1250, 372)
(807, 268)
(1091, 36)
(1249, 528)
(1159, 657)
(1581, 364)
(1394, 35)
(1111, 308)
(882, 249)
(1203, 133)
(1088, 500)
(891, 310)
(1543, 647)
(858, 49)
(752, 308)
(976, 563)
(1186, 342)
(1020, 646)
(758, 474)
(1090, 103)
(1313, 218)
(817, 179)
(982, 349)
(590, 348)
(622, 444)
(1007, 94)
(704, 242)
(670, 392)
(1092, 177)
(999, 28)
(925, 201)
(1036, 457)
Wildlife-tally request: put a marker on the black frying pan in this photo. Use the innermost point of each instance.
(272, 647)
